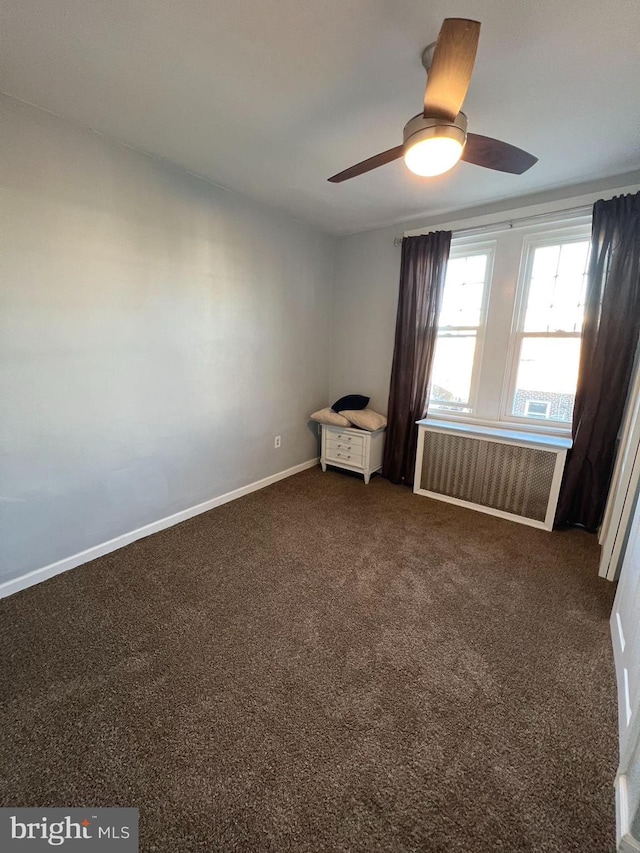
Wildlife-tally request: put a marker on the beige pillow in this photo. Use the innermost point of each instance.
(329, 417)
(365, 419)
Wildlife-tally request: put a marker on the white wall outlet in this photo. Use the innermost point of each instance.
(277, 442)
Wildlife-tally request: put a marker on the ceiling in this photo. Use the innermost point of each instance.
(271, 98)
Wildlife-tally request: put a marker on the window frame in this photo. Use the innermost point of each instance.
(495, 352)
(465, 247)
(553, 236)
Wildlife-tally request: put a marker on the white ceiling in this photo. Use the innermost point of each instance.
(270, 97)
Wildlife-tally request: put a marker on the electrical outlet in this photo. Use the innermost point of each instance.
(277, 442)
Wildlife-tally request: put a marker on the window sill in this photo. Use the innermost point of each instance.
(513, 432)
(519, 425)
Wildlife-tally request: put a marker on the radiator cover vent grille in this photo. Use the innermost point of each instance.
(507, 477)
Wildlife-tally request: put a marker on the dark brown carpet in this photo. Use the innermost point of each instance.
(323, 666)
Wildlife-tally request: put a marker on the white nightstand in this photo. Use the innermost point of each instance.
(353, 449)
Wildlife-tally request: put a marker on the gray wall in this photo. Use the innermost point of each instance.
(364, 319)
(156, 333)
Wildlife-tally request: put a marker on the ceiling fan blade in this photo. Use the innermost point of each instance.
(450, 70)
(493, 154)
(368, 165)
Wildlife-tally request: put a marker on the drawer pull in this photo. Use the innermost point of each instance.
(342, 454)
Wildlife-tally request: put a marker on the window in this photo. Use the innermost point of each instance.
(454, 371)
(547, 339)
(510, 323)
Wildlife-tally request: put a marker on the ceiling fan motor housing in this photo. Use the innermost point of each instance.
(419, 128)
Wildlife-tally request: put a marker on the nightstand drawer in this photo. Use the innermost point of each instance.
(352, 456)
(344, 445)
(336, 436)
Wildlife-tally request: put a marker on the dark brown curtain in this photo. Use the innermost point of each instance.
(609, 343)
(422, 273)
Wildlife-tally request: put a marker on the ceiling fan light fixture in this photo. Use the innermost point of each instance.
(433, 146)
(433, 156)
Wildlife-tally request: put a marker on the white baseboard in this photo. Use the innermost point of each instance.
(38, 575)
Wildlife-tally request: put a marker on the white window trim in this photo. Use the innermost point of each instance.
(523, 425)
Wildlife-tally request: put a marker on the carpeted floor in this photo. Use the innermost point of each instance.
(323, 666)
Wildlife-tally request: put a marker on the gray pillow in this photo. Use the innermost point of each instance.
(329, 417)
(365, 419)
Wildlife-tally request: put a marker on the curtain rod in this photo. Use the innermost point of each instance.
(567, 213)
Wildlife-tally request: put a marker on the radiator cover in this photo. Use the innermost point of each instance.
(507, 477)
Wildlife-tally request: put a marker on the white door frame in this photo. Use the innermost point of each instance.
(625, 484)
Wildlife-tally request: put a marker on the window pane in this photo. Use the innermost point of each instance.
(452, 370)
(556, 292)
(547, 374)
(463, 289)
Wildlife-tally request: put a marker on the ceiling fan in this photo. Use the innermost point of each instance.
(437, 138)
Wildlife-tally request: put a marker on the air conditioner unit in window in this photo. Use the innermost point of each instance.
(536, 409)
